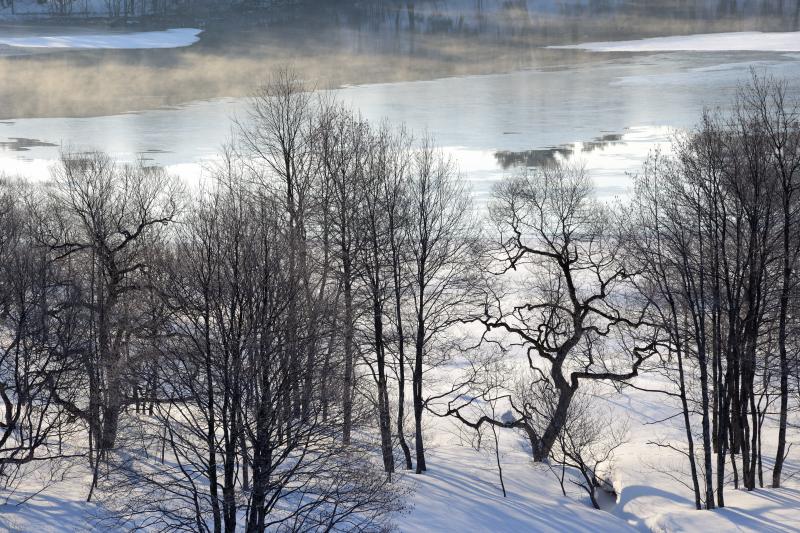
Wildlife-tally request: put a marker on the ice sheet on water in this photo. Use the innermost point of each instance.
(172, 38)
(750, 41)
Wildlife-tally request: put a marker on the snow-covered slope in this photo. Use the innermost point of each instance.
(461, 491)
(44, 505)
(652, 499)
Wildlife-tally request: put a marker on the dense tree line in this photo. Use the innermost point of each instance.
(237, 355)
(717, 235)
(116, 9)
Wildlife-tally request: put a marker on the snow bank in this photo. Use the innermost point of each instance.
(751, 41)
(173, 38)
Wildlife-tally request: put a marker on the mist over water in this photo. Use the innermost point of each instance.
(474, 73)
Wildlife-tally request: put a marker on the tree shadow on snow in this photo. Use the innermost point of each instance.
(48, 513)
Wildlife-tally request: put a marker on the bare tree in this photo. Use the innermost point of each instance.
(766, 101)
(38, 334)
(666, 245)
(277, 140)
(343, 141)
(375, 271)
(396, 207)
(227, 375)
(442, 241)
(105, 216)
(567, 308)
(716, 242)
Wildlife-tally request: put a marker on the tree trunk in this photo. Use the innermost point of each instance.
(688, 427)
(417, 393)
(348, 355)
(213, 484)
(262, 456)
(401, 381)
(780, 454)
(557, 421)
(401, 341)
(383, 394)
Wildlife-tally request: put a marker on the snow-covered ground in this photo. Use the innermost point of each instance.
(172, 38)
(461, 491)
(46, 505)
(652, 500)
(752, 41)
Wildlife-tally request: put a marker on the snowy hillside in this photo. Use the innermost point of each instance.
(461, 491)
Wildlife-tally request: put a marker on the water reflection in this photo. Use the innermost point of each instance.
(611, 164)
(22, 144)
(541, 157)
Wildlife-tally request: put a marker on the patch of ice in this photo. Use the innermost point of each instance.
(173, 38)
(751, 41)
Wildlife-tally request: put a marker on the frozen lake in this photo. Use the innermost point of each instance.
(604, 107)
